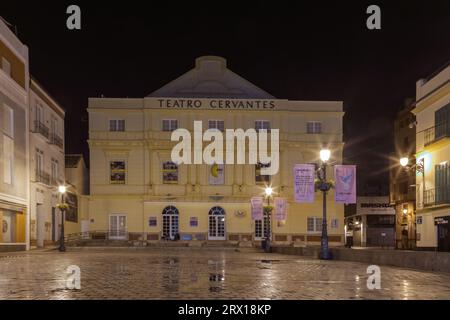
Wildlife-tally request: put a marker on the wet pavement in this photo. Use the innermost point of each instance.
(186, 273)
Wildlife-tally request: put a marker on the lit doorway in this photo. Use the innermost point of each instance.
(118, 226)
(216, 224)
(170, 223)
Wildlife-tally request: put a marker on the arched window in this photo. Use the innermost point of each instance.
(170, 210)
(217, 211)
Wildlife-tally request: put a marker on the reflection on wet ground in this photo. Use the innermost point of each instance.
(186, 273)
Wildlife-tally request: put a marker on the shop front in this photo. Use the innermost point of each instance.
(443, 233)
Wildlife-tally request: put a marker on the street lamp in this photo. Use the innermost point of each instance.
(62, 207)
(324, 186)
(268, 223)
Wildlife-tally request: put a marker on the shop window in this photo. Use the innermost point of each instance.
(170, 172)
(117, 172)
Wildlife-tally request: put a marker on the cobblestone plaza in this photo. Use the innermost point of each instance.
(179, 273)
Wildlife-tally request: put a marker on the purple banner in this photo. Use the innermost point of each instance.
(345, 186)
(304, 182)
(280, 209)
(257, 208)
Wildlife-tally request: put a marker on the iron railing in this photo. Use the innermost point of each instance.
(96, 235)
(42, 176)
(436, 133)
(56, 140)
(41, 128)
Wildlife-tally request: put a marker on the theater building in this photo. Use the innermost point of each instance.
(138, 193)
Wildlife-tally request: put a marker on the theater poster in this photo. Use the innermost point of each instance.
(257, 208)
(345, 185)
(280, 209)
(304, 182)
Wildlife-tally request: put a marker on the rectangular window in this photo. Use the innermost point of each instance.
(8, 159)
(8, 121)
(314, 224)
(334, 223)
(314, 127)
(117, 125)
(6, 66)
(117, 172)
(216, 124)
(39, 113)
(169, 124)
(260, 178)
(262, 124)
(170, 172)
(54, 173)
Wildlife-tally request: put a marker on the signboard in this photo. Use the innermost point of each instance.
(304, 182)
(280, 209)
(441, 221)
(193, 222)
(257, 208)
(345, 176)
(71, 213)
(374, 205)
(216, 174)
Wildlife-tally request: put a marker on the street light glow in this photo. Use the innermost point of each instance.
(325, 155)
(62, 189)
(404, 161)
(268, 191)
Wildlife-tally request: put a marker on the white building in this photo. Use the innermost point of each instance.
(47, 165)
(433, 155)
(137, 193)
(14, 172)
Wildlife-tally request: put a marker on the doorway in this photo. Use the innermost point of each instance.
(216, 224)
(443, 237)
(170, 223)
(118, 226)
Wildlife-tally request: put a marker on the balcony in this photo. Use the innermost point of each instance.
(42, 177)
(436, 133)
(437, 196)
(56, 140)
(41, 128)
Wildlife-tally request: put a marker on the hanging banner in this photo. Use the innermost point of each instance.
(257, 208)
(280, 209)
(216, 176)
(345, 176)
(304, 182)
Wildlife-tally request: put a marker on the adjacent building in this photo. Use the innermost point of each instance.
(432, 113)
(403, 179)
(370, 223)
(46, 155)
(138, 193)
(14, 142)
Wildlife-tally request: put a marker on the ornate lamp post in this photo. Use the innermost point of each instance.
(324, 186)
(268, 226)
(62, 206)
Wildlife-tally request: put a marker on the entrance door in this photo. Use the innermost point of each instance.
(170, 222)
(443, 237)
(40, 225)
(262, 228)
(216, 224)
(118, 226)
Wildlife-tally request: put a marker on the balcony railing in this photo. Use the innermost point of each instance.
(41, 128)
(56, 140)
(428, 198)
(436, 133)
(437, 196)
(42, 177)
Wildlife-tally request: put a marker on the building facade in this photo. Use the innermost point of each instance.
(432, 112)
(14, 178)
(77, 182)
(46, 155)
(138, 193)
(403, 179)
(371, 224)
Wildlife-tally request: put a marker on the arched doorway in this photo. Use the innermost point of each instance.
(170, 222)
(216, 224)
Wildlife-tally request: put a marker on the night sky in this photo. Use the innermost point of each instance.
(313, 50)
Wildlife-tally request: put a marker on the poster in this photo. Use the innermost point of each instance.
(345, 185)
(304, 182)
(257, 208)
(216, 174)
(280, 209)
(71, 213)
(170, 173)
(117, 169)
